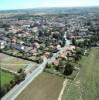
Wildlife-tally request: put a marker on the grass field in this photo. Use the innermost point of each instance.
(44, 87)
(5, 77)
(13, 63)
(86, 85)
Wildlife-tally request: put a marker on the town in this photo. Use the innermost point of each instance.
(52, 44)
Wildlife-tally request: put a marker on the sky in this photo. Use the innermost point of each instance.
(23, 4)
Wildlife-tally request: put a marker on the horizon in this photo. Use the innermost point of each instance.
(49, 8)
(37, 4)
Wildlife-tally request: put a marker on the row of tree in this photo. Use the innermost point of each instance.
(17, 79)
(86, 43)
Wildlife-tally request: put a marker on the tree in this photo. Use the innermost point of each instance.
(12, 83)
(20, 70)
(87, 43)
(93, 40)
(78, 54)
(40, 34)
(80, 44)
(68, 69)
(3, 91)
(68, 55)
(48, 65)
(62, 62)
(19, 78)
(63, 44)
(74, 41)
(76, 58)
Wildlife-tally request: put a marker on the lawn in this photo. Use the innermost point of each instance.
(86, 85)
(5, 77)
(44, 87)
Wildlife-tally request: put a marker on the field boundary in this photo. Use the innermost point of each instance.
(70, 84)
(62, 90)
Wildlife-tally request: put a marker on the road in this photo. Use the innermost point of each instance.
(67, 42)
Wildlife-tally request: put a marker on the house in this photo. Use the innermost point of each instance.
(47, 54)
(37, 45)
(56, 62)
(58, 47)
(18, 46)
(2, 44)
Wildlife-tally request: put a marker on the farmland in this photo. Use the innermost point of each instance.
(12, 63)
(86, 84)
(44, 87)
(5, 77)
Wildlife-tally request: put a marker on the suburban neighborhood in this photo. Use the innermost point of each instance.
(49, 56)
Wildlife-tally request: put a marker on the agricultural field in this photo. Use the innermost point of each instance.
(5, 77)
(13, 63)
(86, 84)
(45, 87)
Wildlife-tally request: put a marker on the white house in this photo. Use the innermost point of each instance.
(2, 44)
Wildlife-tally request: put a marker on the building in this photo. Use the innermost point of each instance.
(2, 44)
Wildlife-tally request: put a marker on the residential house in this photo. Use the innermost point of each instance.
(2, 44)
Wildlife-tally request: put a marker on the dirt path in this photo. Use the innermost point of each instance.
(62, 90)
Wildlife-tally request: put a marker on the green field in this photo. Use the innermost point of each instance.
(86, 85)
(5, 77)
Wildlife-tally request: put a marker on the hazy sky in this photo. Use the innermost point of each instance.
(21, 4)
